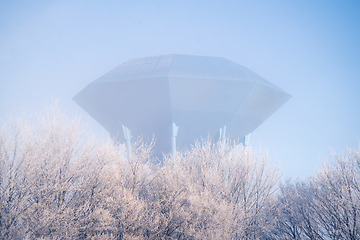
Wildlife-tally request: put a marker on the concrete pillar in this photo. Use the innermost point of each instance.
(174, 132)
(127, 136)
(247, 140)
(223, 135)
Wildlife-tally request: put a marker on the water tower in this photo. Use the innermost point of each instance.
(180, 98)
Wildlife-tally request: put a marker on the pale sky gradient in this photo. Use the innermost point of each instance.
(311, 49)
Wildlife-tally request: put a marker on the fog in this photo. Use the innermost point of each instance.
(309, 49)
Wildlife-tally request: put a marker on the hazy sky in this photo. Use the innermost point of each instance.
(311, 49)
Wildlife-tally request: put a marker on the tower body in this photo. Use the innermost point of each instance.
(192, 96)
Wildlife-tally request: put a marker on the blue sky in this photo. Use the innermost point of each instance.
(53, 49)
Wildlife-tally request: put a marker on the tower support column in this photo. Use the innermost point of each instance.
(174, 132)
(127, 136)
(247, 140)
(223, 135)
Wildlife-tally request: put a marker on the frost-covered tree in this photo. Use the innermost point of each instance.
(325, 206)
(336, 190)
(57, 182)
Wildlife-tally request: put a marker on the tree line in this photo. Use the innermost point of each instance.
(57, 182)
(324, 206)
